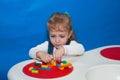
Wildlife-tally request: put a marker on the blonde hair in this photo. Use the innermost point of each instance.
(60, 22)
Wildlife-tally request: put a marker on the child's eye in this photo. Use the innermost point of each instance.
(62, 36)
(52, 36)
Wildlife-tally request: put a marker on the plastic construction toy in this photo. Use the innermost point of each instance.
(49, 66)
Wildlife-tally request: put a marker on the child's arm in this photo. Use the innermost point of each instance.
(40, 52)
(74, 48)
(57, 55)
(42, 47)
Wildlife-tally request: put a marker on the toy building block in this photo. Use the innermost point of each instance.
(37, 63)
(44, 68)
(30, 68)
(35, 71)
(61, 68)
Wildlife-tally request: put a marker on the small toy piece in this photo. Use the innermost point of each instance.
(37, 63)
(34, 71)
(30, 68)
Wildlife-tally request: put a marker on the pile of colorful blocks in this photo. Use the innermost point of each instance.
(48, 66)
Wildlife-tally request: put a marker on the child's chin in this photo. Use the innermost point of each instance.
(56, 47)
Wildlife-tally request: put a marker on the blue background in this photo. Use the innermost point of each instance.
(96, 23)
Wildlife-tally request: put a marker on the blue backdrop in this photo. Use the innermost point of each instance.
(96, 23)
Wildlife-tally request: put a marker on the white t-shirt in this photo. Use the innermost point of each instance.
(73, 48)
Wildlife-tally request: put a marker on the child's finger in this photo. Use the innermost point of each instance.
(54, 58)
(51, 56)
(59, 58)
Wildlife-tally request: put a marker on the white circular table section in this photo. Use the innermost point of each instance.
(81, 64)
(104, 72)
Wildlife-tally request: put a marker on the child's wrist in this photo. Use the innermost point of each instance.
(64, 49)
(38, 54)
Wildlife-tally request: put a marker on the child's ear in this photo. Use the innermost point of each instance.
(70, 33)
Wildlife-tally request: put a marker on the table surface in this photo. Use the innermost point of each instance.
(81, 65)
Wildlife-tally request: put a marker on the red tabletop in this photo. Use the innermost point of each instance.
(111, 53)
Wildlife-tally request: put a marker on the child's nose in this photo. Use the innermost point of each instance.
(57, 40)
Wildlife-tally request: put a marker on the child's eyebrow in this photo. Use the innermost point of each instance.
(62, 34)
(52, 34)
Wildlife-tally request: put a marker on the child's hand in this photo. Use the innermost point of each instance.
(45, 57)
(57, 55)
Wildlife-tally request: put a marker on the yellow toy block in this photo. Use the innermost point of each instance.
(30, 68)
(35, 71)
(44, 66)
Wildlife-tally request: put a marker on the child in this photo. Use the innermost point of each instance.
(61, 41)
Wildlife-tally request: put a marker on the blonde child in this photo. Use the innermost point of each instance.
(61, 41)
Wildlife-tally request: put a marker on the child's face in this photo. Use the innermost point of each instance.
(58, 38)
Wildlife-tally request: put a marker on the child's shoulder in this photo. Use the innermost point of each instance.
(74, 42)
(43, 43)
